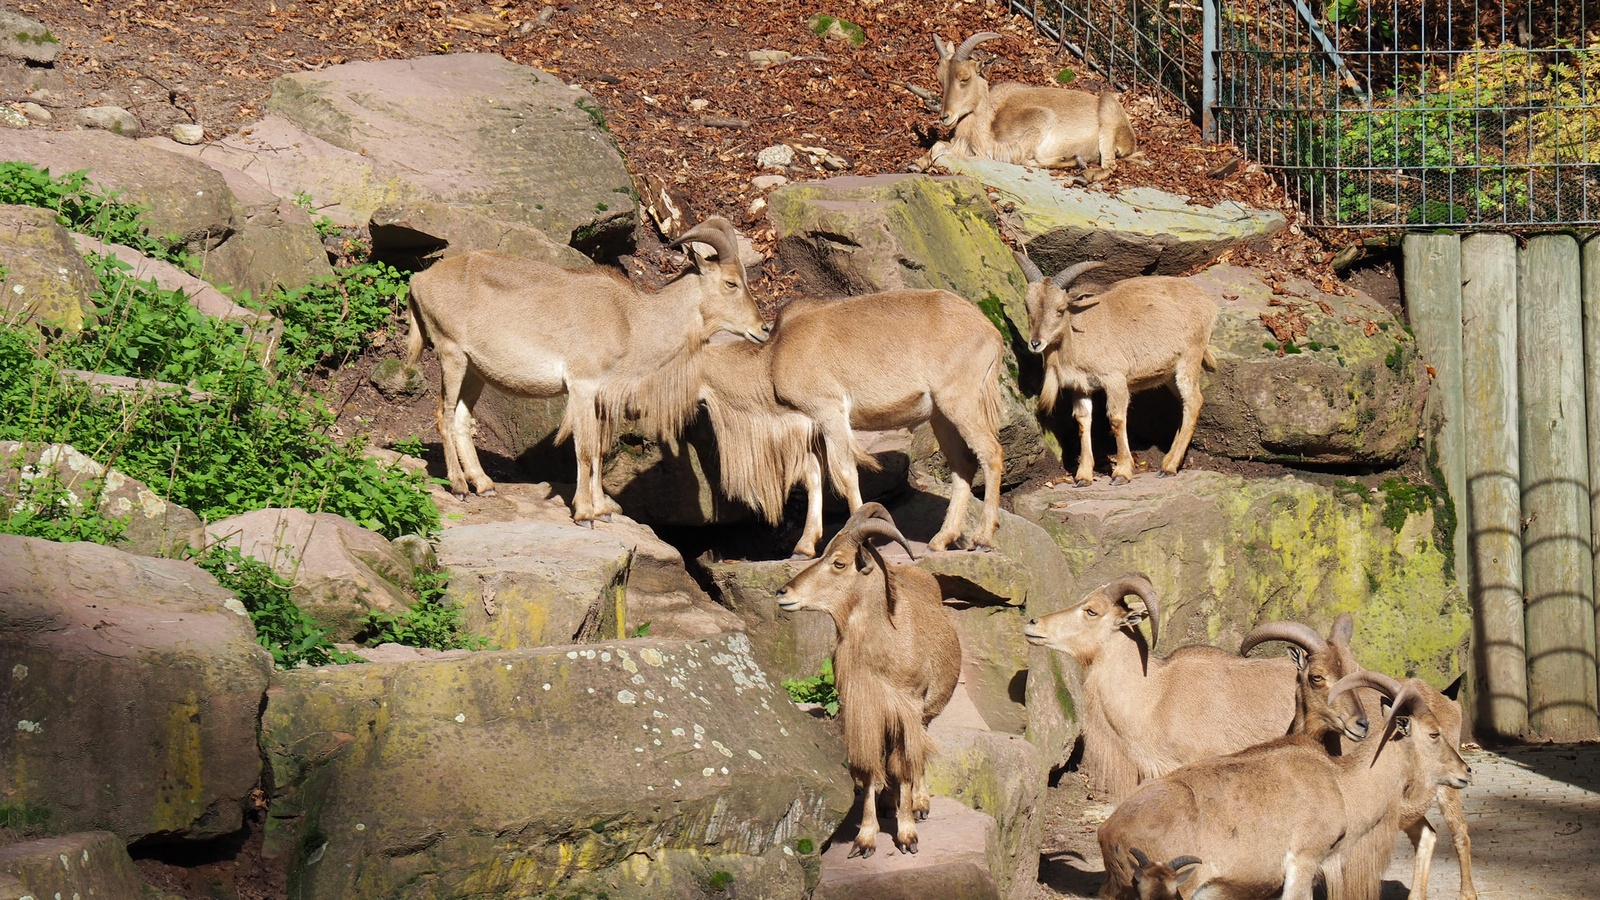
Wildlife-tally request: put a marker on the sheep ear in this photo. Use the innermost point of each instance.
(1402, 726)
(1298, 654)
(1132, 617)
(1453, 692)
(1083, 302)
(1185, 875)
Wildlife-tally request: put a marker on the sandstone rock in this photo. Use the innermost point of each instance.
(103, 385)
(855, 235)
(46, 282)
(1350, 392)
(956, 847)
(460, 776)
(27, 39)
(1003, 776)
(1226, 553)
(152, 526)
(840, 30)
(114, 119)
(86, 864)
(13, 118)
(396, 378)
(476, 130)
(1139, 231)
(775, 157)
(537, 584)
(132, 687)
(35, 112)
(260, 327)
(423, 230)
(339, 570)
(188, 133)
(184, 198)
(765, 59)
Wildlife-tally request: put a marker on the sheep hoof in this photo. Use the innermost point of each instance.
(603, 517)
(862, 851)
(908, 845)
(1119, 480)
(489, 493)
(921, 815)
(459, 495)
(1082, 482)
(1165, 474)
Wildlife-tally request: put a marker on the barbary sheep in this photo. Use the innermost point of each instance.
(1144, 716)
(1161, 881)
(875, 361)
(896, 665)
(534, 330)
(1030, 126)
(1137, 334)
(1272, 817)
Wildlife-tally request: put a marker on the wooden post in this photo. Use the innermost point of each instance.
(1491, 513)
(1433, 300)
(1557, 564)
(1591, 347)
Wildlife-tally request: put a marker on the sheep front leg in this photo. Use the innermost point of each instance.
(1117, 412)
(1456, 819)
(1423, 836)
(587, 494)
(806, 547)
(905, 837)
(1083, 412)
(454, 418)
(866, 842)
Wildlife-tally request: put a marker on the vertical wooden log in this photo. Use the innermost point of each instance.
(1491, 513)
(1557, 565)
(1591, 348)
(1433, 300)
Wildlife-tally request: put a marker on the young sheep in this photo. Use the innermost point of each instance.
(1144, 716)
(868, 362)
(1271, 817)
(1161, 881)
(896, 666)
(1030, 126)
(1137, 334)
(535, 330)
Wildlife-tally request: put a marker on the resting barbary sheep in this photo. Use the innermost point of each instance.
(535, 330)
(1137, 334)
(896, 666)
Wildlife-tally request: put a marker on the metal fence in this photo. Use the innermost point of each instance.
(1375, 113)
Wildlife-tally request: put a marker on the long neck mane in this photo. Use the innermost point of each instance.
(657, 379)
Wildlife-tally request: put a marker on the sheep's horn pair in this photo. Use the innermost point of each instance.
(1070, 274)
(718, 233)
(1138, 583)
(1029, 270)
(1404, 698)
(873, 520)
(965, 50)
(1297, 633)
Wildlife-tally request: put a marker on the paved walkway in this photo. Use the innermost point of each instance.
(1534, 817)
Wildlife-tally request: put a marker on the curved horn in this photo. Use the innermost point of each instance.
(1404, 699)
(718, 233)
(1296, 633)
(1181, 861)
(965, 50)
(1029, 270)
(1139, 857)
(1070, 274)
(1138, 583)
(882, 527)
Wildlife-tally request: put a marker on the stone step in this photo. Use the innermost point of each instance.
(952, 861)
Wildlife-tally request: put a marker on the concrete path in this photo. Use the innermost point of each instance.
(1534, 817)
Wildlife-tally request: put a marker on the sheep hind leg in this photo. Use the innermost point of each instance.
(905, 836)
(1117, 413)
(471, 389)
(1456, 819)
(866, 842)
(963, 466)
(806, 547)
(1186, 382)
(1083, 412)
(1422, 835)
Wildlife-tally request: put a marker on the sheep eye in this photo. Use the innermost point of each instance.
(1316, 679)
(1434, 736)
(838, 564)
(1090, 613)
(733, 285)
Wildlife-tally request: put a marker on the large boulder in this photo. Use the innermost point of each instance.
(168, 277)
(85, 864)
(1307, 376)
(132, 688)
(340, 572)
(424, 230)
(639, 769)
(46, 281)
(184, 199)
(1001, 775)
(151, 525)
(475, 129)
(855, 235)
(1138, 231)
(1226, 553)
(537, 584)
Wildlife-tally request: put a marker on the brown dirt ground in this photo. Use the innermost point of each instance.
(212, 62)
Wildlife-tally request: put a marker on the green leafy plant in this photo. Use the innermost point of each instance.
(289, 634)
(719, 881)
(430, 622)
(330, 320)
(819, 689)
(78, 205)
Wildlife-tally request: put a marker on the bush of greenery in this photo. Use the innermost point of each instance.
(819, 689)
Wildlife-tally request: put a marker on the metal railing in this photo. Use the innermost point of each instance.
(1375, 113)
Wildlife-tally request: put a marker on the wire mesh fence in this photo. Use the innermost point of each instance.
(1376, 113)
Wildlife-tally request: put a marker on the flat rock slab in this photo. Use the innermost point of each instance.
(1000, 775)
(1226, 553)
(132, 688)
(635, 768)
(151, 525)
(475, 129)
(85, 864)
(424, 230)
(46, 280)
(200, 294)
(955, 847)
(1137, 231)
(1343, 385)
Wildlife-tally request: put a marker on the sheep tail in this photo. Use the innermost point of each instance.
(994, 404)
(417, 338)
(1209, 361)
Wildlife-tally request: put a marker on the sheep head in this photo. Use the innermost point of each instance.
(1320, 663)
(962, 88)
(848, 569)
(1103, 616)
(1050, 306)
(1161, 881)
(725, 301)
(1411, 719)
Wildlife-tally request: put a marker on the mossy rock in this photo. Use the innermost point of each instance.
(837, 29)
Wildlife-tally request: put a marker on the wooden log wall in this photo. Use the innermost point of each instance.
(1514, 335)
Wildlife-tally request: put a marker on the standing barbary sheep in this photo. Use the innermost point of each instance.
(1271, 817)
(1138, 334)
(535, 330)
(1029, 126)
(877, 361)
(1144, 716)
(896, 665)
